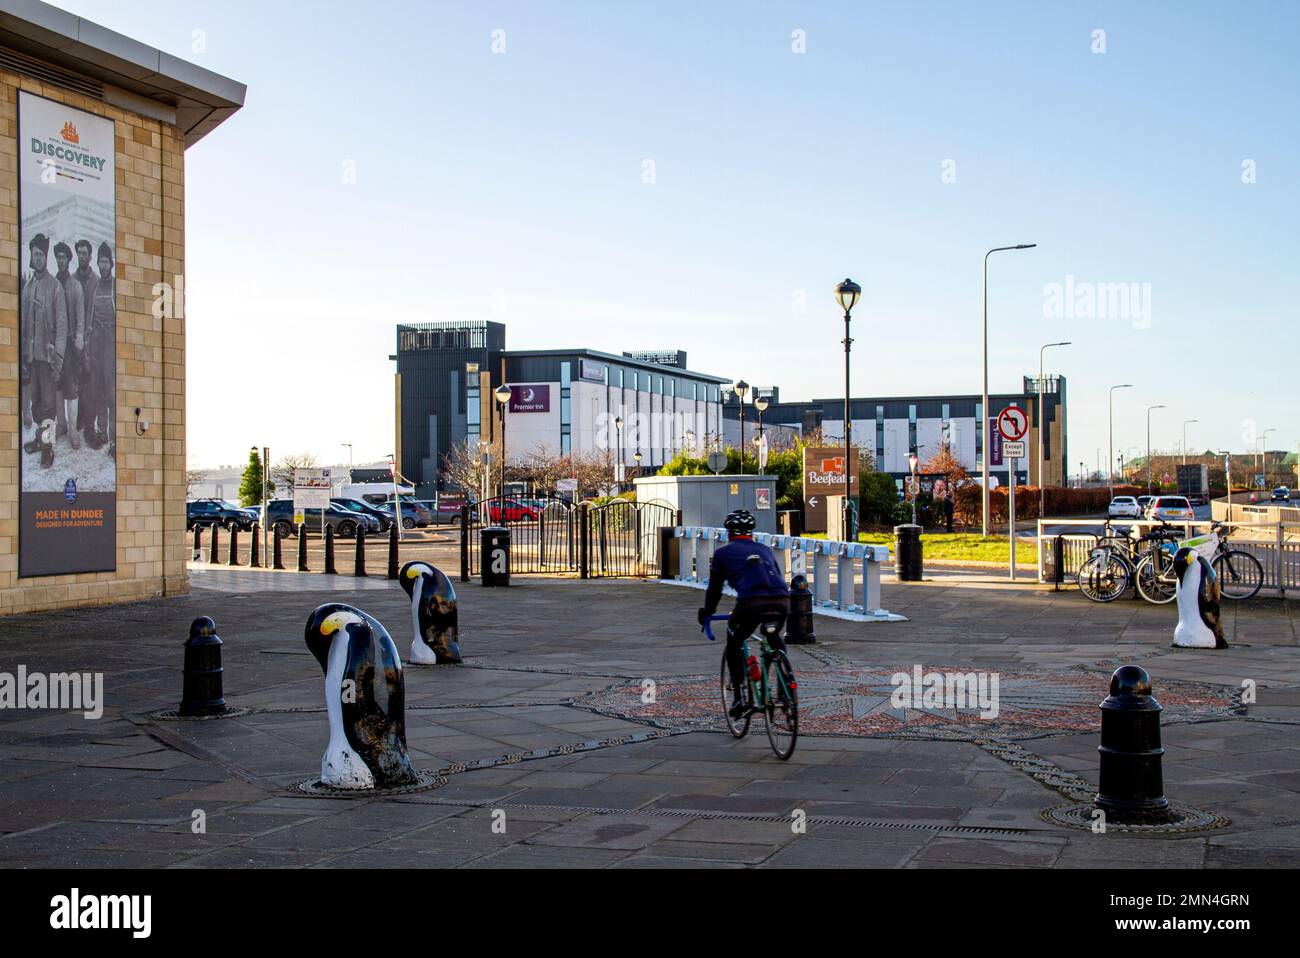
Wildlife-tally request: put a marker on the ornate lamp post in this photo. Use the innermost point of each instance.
(502, 393)
(846, 294)
(760, 403)
(741, 389)
(618, 445)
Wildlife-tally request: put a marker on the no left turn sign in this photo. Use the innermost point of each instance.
(1013, 423)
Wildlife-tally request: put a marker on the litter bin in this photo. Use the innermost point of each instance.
(494, 557)
(907, 553)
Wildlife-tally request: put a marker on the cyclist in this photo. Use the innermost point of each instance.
(750, 568)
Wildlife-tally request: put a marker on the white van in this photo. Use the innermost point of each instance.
(375, 493)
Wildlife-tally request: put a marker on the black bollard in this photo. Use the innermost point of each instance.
(329, 551)
(907, 553)
(198, 542)
(799, 624)
(277, 555)
(201, 686)
(359, 563)
(213, 545)
(392, 551)
(234, 546)
(254, 558)
(1131, 786)
(302, 548)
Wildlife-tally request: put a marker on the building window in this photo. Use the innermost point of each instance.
(566, 379)
(880, 437)
(979, 431)
(911, 428)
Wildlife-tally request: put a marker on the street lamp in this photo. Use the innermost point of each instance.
(761, 404)
(912, 461)
(742, 388)
(1263, 452)
(618, 444)
(984, 409)
(637, 456)
(1110, 438)
(349, 445)
(1185, 424)
(502, 393)
(847, 293)
(1042, 424)
(1149, 408)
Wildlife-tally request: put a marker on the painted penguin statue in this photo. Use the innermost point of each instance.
(364, 698)
(1198, 603)
(433, 614)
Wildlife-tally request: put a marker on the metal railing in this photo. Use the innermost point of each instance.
(1275, 544)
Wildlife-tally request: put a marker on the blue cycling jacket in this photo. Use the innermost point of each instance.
(748, 567)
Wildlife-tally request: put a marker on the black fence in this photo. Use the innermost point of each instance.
(616, 538)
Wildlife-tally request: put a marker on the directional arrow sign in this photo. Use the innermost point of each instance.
(1013, 423)
(812, 501)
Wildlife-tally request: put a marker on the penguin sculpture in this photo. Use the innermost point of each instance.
(433, 614)
(1198, 603)
(364, 698)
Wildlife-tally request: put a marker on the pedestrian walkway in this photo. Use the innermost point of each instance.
(546, 723)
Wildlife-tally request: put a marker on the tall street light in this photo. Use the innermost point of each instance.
(847, 293)
(984, 409)
(1186, 422)
(1149, 408)
(1263, 452)
(1110, 438)
(349, 445)
(618, 445)
(742, 388)
(1041, 425)
(502, 393)
(760, 403)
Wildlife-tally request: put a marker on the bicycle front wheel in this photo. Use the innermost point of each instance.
(782, 711)
(1155, 578)
(1103, 578)
(1240, 574)
(737, 727)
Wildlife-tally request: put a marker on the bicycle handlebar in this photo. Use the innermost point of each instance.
(708, 629)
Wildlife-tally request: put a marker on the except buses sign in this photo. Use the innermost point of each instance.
(823, 475)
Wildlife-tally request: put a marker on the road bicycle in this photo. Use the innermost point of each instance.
(1113, 564)
(770, 688)
(1240, 574)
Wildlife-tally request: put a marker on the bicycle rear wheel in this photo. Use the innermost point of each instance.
(1240, 574)
(1155, 579)
(782, 711)
(737, 727)
(1103, 578)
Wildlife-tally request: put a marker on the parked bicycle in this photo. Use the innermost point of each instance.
(1116, 563)
(1240, 574)
(770, 688)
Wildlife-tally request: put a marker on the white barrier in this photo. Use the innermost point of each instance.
(857, 568)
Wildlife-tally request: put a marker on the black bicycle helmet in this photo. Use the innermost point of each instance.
(740, 523)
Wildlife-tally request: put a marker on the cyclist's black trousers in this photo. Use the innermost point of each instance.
(743, 621)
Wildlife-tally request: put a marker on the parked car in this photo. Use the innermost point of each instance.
(1171, 509)
(1144, 504)
(511, 510)
(384, 519)
(216, 512)
(413, 514)
(1124, 507)
(1281, 494)
(446, 511)
(344, 522)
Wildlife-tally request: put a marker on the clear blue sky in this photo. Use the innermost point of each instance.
(510, 186)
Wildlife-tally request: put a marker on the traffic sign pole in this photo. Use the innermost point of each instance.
(1013, 423)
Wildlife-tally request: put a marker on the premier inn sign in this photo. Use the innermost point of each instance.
(823, 475)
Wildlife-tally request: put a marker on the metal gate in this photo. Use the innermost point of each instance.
(617, 538)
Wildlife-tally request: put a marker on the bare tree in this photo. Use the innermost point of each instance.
(192, 478)
(465, 468)
(282, 472)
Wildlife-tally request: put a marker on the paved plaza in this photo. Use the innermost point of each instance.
(552, 755)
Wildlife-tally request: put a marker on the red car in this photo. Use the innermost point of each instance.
(511, 511)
